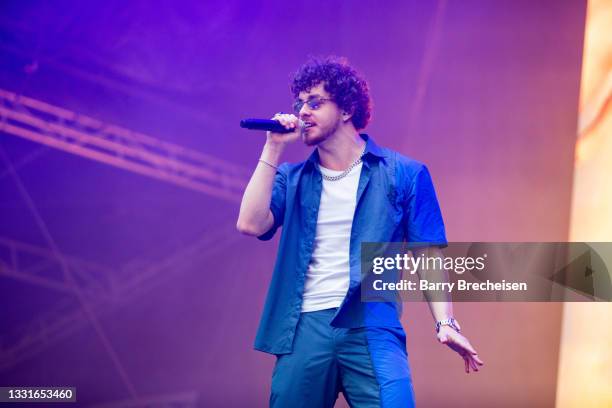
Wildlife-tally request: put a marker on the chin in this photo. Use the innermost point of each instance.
(311, 142)
(312, 139)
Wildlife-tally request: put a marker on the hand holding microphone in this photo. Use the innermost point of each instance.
(293, 129)
(282, 129)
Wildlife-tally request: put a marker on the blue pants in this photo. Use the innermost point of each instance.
(368, 365)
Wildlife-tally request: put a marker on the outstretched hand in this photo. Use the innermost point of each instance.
(459, 343)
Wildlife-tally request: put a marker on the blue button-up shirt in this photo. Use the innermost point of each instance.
(396, 202)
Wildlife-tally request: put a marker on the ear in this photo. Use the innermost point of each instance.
(346, 116)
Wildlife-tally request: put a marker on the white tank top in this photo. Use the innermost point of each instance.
(328, 275)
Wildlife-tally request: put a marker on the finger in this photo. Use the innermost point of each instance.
(477, 359)
(290, 121)
(282, 118)
(473, 364)
(467, 365)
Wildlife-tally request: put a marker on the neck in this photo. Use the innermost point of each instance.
(341, 149)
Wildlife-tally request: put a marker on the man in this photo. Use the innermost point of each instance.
(348, 191)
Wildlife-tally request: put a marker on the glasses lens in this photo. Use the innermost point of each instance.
(314, 103)
(297, 106)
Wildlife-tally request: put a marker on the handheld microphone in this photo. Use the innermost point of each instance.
(267, 124)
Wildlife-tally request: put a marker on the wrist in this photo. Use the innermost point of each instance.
(451, 322)
(272, 152)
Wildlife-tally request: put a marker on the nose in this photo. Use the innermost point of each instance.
(304, 111)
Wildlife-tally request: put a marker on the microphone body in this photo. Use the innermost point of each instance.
(267, 124)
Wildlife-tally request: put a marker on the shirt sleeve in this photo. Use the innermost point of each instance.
(422, 216)
(277, 203)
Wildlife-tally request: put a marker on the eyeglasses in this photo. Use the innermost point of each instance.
(313, 104)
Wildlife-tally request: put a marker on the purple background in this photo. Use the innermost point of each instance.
(484, 92)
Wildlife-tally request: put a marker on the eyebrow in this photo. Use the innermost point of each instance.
(310, 97)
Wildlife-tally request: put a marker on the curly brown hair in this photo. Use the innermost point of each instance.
(347, 88)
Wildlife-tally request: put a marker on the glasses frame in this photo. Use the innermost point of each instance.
(313, 103)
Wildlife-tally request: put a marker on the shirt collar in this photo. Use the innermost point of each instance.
(371, 150)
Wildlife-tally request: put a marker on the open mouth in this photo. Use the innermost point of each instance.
(307, 126)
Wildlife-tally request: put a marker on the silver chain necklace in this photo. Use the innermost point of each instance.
(345, 172)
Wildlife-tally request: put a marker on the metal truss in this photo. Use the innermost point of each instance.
(84, 136)
(103, 289)
(41, 267)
